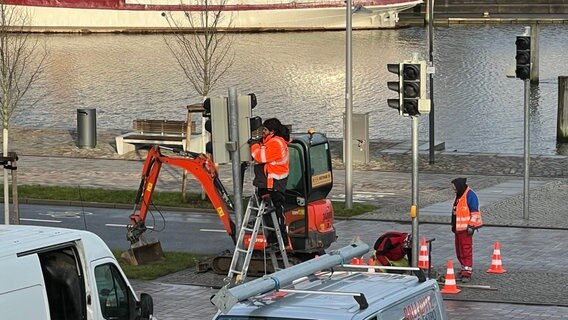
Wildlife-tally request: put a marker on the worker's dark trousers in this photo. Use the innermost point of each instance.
(464, 252)
(278, 200)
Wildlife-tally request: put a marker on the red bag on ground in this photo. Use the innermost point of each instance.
(392, 245)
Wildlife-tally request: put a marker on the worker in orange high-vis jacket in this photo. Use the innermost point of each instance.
(466, 218)
(271, 171)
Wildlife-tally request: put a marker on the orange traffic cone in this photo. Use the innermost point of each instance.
(423, 262)
(450, 283)
(357, 261)
(371, 263)
(496, 263)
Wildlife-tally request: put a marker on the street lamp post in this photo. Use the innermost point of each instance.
(348, 107)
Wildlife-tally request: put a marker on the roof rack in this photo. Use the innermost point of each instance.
(227, 297)
(358, 296)
(419, 273)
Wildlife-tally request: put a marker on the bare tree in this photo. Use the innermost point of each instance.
(201, 48)
(202, 51)
(22, 61)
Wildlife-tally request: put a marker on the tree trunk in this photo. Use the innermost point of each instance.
(6, 171)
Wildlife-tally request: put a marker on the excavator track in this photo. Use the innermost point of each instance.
(260, 264)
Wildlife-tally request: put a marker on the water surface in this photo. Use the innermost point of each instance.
(300, 78)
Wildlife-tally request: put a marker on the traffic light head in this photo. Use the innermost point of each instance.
(523, 57)
(207, 108)
(411, 88)
(255, 123)
(217, 124)
(253, 102)
(395, 86)
(247, 124)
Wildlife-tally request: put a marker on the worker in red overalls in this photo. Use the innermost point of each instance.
(271, 172)
(466, 218)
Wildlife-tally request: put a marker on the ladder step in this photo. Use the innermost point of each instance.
(258, 208)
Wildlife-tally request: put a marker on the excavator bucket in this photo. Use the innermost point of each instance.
(143, 252)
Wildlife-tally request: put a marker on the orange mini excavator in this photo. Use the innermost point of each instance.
(309, 214)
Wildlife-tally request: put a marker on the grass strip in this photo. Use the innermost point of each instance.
(167, 199)
(173, 262)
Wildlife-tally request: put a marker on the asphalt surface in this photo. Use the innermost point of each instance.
(533, 248)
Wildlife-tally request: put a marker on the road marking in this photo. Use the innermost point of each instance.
(123, 225)
(40, 220)
(66, 214)
(363, 196)
(212, 230)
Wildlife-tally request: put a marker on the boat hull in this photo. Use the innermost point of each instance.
(282, 17)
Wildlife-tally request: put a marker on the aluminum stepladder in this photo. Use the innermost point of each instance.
(259, 208)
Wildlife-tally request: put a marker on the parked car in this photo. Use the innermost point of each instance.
(56, 273)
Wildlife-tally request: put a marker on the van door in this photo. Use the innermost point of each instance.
(64, 281)
(22, 294)
(115, 298)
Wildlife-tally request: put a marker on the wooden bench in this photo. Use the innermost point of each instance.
(164, 132)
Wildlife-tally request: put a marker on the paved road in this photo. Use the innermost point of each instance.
(176, 231)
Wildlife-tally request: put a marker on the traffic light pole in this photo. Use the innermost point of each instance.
(235, 157)
(414, 208)
(431, 127)
(527, 151)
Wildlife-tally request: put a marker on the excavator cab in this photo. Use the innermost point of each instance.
(309, 215)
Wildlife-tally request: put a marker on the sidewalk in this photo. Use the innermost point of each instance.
(534, 251)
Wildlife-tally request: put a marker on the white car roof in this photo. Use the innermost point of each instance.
(379, 289)
(15, 239)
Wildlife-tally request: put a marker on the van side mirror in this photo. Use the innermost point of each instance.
(146, 306)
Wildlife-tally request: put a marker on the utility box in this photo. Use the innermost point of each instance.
(360, 135)
(86, 128)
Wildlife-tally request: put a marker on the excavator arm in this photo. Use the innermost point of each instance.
(201, 167)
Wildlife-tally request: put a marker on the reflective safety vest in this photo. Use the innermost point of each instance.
(464, 217)
(273, 152)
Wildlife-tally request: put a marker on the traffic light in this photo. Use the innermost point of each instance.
(247, 124)
(395, 86)
(523, 57)
(411, 88)
(217, 124)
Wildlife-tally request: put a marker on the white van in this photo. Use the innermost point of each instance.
(56, 273)
(346, 295)
(304, 292)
